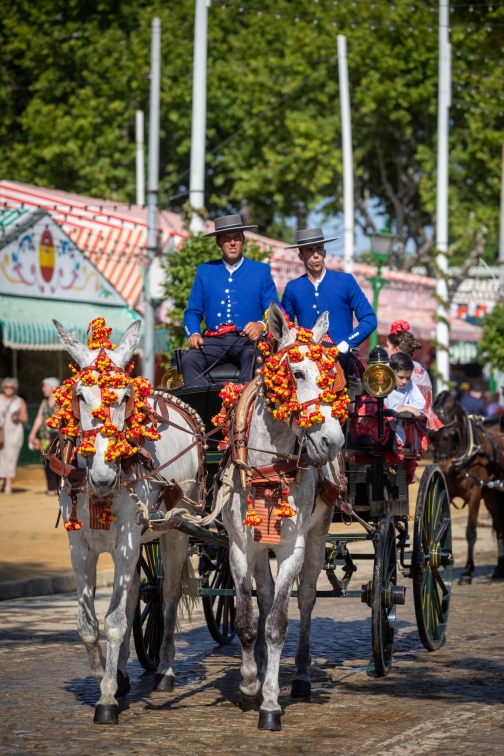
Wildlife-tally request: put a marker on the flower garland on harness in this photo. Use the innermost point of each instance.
(110, 378)
(279, 383)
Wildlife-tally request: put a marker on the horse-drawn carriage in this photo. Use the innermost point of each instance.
(301, 436)
(417, 546)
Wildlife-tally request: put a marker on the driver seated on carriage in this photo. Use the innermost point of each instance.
(230, 294)
(321, 290)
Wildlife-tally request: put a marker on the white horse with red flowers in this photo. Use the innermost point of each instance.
(106, 415)
(302, 403)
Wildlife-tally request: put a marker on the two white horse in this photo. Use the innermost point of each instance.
(123, 539)
(299, 553)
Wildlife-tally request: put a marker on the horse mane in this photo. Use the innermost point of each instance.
(441, 399)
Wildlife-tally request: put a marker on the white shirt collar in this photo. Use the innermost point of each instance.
(319, 281)
(233, 268)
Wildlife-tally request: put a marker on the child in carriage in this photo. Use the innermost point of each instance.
(400, 339)
(408, 398)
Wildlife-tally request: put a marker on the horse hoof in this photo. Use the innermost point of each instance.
(498, 573)
(251, 703)
(465, 580)
(270, 720)
(106, 714)
(123, 685)
(163, 683)
(301, 689)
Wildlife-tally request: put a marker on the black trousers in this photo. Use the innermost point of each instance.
(230, 347)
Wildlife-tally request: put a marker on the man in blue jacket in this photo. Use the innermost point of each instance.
(231, 295)
(321, 289)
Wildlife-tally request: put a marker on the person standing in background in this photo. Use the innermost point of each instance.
(472, 401)
(45, 434)
(13, 414)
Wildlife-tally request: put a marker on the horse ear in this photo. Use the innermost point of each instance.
(321, 327)
(277, 324)
(124, 352)
(79, 353)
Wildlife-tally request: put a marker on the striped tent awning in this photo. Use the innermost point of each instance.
(112, 235)
(27, 323)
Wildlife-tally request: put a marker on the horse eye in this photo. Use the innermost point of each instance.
(298, 374)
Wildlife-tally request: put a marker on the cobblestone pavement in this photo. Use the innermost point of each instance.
(447, 702)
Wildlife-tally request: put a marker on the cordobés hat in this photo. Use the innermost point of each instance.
(310, 236)
(228, 223)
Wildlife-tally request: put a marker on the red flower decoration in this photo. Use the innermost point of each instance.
(399, 325)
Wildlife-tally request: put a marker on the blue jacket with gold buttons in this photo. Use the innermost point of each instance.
(341, 295)
(223, 298)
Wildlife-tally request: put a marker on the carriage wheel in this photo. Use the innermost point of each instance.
(148, 622)
(432, 561)
(220, 611)
(383, 599)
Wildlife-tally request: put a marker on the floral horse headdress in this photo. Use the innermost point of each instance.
(279, 390)
(141, 424)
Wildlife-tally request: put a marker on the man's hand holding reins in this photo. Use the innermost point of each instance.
(195, 341)
(253, 331)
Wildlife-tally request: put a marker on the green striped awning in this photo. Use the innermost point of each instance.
(27, 323)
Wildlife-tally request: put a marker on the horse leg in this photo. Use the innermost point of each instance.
(290, 561)
(174, 554)
(116, 625)
(123, 682)
(84, 566)
(265, 587)
(307, 595)
(498, 573)
(472, 518)
(494, 502)
(242, 568)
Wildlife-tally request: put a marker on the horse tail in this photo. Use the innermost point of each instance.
(190, 592)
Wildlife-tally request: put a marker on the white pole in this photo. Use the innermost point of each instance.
(346, 131)
(444, 97)
(140, 160)
(152, 195)
(198, 132)
(501, 230)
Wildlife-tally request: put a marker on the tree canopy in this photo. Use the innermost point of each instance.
(73, 73)
(491, 346)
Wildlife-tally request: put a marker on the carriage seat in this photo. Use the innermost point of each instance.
(226, 373)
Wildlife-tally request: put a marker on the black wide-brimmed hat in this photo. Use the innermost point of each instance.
(228, 223)
(310, 236)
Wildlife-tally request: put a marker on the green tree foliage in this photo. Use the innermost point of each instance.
(491, 346)
(73, 73)
(180, 271)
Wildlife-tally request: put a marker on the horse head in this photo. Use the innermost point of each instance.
(88, 398)
(323, 436)
(446, 440)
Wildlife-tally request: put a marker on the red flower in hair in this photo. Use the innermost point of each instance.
(399, 325)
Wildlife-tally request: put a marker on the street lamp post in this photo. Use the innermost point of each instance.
(381, 247)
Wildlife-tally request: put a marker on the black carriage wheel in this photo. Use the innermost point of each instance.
(220, 611)
(148, 622)
(383, 610)
(432, 558)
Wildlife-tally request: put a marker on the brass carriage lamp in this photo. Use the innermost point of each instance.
(381, 247)
(379, 380)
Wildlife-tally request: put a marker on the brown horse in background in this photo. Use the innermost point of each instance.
(471, 454)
